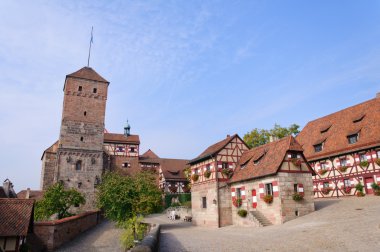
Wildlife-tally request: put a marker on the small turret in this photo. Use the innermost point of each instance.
(127, 129)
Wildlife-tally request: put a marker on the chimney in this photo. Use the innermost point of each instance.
(6, 186)
(228, 136)
(378, 95)
(27, 196)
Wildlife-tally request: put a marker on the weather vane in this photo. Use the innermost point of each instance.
(89, 50)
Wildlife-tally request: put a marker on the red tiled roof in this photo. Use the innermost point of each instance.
(33, 194)
(342, 124)
(16, 216)
(121, 138)
(87, 73)
(270, 157)
(173, 168)
(213, 149)
(149, 154)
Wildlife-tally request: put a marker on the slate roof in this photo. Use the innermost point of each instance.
(87, 73)
(270, 157)
(213, 149)
(16, 217)
(33, 194)
(121, 138)
(332, 130)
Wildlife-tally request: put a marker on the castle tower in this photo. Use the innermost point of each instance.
(80, 146)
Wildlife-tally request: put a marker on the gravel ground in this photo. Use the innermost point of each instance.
(103, 237)
(345, 224)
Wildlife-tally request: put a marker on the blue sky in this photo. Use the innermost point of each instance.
(185, 73)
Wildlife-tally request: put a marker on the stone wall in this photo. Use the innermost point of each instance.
(204, 216)
(283, 208)
(49, 164)
(49, 235)
(225, 210)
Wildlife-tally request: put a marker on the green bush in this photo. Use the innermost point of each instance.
(242, 213)
(187, 204)
(182, 197)
(359, 187)
(364, 163)
(297, 197)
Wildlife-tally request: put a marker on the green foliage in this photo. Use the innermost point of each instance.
(175, 204)
(376, 188)
(364, 164)
(127, 238)
(227, 172)
(207, 174)
(259, 137)
(360, 187)
(57, 200)
(134, 230)
(187, 204)
(195, 177)
(242, 213)
(123, 197)
(297, 197)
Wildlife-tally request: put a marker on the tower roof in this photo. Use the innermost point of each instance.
(87, 73)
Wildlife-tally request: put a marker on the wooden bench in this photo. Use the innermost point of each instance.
(187, 218)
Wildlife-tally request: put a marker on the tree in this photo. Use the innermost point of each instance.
(259, 137)
(57, 200)
(125, 199)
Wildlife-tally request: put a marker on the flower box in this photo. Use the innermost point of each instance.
(268, 199)
(297, 162)
(207, 174)
(237, 202)
(364, 164)
(360, 194)
(297, 196)
(195, 177)
(377, 161)
(347, 190)
(227, 172)
(326, 190)
(322, 172)
(343, 168)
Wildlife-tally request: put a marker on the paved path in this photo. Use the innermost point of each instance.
(103, 237)
(349, 224)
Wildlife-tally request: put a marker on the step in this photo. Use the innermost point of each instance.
(261, 218)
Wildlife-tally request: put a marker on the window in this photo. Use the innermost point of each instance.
(80, 88)
(132, 149)
(269, 189)
(208, 167)
(95, 90)
(224, 165)
(363, 157)
(81, 139)
(204, 202)
(126, 165)
(326, 185)
(347, 183)
(238, 193)
(343, 161)
(378, 154)
(196, 171)
(323, 166)
(295, 188)
(78, 165)
(318, 147)
(85, 113)
(352, 138)
(293, 155)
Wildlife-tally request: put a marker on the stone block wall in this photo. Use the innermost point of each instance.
(225, 210)
(49, 235)
(204, 216)
(49, 163)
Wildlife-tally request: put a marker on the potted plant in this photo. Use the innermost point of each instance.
(326, 190)
(377, 161)
(268, 199)
(195, 177)
(242, 213)
(207, 174)
(227, 172)
(347, 189)
(364, 164)
(343, 168)
(237, 202)
(322, 172)
(297, 196)
(376, 188)
(360, 190)
(296, 161)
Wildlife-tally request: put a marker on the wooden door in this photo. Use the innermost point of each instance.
(367, 183)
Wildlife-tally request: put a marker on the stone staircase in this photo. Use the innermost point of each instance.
(260, 218)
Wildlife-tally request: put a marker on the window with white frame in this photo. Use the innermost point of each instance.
(353, 138)
(343, 161)
(347, 183)
(363, 157)
(225, 165)
(269, 189)
(326, 185)
(208, 167)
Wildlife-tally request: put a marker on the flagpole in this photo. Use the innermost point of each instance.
(89, 50)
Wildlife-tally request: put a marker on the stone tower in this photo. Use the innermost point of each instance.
(80, 146)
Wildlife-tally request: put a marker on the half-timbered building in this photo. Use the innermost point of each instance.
(265, 182)
(210, 172)
(344, 149)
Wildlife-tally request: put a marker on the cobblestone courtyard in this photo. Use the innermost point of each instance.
(349, 224)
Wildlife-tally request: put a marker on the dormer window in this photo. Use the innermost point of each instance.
(325, 129)
(353, 138)
(80, 88)
(318, 147)
(358, 118)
